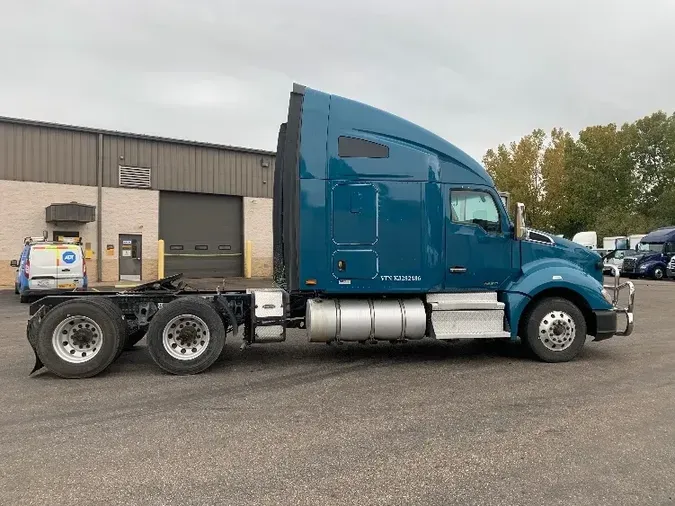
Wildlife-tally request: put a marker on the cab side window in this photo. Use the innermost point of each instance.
(475, 208)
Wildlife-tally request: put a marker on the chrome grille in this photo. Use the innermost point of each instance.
(629, 264)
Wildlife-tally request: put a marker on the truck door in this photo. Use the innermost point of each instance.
(70, 267)
(477, 241)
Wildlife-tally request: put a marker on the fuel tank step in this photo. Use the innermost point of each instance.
(473, 315)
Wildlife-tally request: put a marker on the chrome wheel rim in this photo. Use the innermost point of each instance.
(77, 339)
(658, 273)
(186, 337)
(557, 331)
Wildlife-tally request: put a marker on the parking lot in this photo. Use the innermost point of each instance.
(302, 423)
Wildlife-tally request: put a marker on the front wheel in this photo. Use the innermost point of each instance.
(658, 273)
(554, 330)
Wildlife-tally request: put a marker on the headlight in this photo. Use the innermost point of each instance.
(607, 296)
(643, 267)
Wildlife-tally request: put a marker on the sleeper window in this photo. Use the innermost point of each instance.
(476, 208)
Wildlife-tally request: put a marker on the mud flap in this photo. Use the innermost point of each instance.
(32, 335)
(38, 364)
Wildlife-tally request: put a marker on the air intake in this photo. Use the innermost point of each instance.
(135, 177)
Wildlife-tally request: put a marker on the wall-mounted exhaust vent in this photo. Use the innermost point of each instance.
(135, 177)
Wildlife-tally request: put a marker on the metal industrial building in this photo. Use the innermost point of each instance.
(121, 192)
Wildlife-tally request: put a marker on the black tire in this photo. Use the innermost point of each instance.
(190, 306)
(134, 337)
(109, 342)
(659, 273)
(117, 316)
(16, 289)
(536, 316)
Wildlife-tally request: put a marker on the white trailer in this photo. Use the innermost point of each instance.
(615, 242)
(588, 239)
(634, 239)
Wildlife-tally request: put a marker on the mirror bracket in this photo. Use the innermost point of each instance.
(520, 221)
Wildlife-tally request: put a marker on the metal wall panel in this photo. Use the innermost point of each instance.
(203, 234)
(190, 168)
(50, 155)
(43, 152)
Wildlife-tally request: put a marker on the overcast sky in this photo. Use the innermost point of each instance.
(477, 72)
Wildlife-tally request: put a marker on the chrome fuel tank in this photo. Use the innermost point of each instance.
(364, 319)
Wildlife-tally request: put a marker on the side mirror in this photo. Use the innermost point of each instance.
(520, 220)
(13, 263)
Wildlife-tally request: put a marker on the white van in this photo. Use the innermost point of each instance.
(46, 267)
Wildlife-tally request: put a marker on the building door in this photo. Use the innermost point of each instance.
(130, 257)
(203, 234)
(62, 235)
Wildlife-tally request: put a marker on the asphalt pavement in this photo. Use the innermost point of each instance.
(303, 423)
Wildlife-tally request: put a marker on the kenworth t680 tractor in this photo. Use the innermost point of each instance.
(383, 231)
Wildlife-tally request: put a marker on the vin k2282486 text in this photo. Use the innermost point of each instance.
(401, 278)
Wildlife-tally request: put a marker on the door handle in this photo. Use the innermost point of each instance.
(65, 270)
(457, 270)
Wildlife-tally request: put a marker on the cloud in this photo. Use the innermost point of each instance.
(477, 72)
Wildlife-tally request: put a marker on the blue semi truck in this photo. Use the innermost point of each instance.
(382, 232)
(653, 256)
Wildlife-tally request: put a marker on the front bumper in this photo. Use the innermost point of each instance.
(606, 323)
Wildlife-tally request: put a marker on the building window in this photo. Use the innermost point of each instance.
(351, 147)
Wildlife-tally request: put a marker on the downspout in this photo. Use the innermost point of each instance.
(99, 205)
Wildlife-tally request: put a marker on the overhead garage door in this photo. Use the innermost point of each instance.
(202, 234)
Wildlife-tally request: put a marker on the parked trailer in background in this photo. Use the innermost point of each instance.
(615, 242)
(634, 240)
(382, 232)
(588, 239)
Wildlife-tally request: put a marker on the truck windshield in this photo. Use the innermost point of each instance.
(651, 246)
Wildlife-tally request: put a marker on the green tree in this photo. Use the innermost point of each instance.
(557, 181)
(617, 181)
(517, 169)
(652, 154)
(600, 177)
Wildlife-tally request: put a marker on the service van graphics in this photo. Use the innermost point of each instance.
(50, 266)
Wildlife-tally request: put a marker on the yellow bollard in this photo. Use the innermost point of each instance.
(248, 247)
(160, 259)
